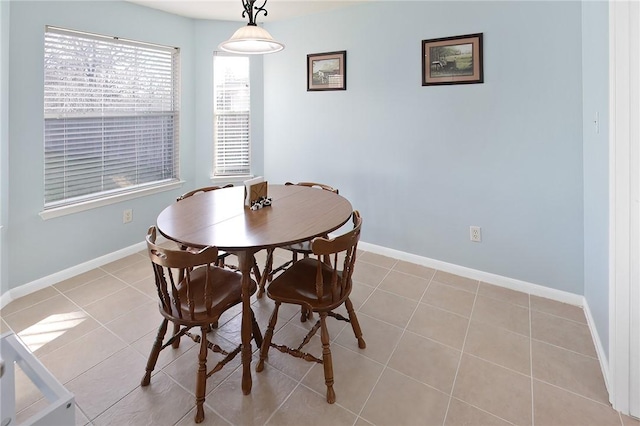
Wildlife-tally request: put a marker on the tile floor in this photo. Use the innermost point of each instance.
(441, 350)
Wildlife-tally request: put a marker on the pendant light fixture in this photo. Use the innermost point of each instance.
(251, 39)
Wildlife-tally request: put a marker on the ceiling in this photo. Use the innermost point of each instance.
(228, 10)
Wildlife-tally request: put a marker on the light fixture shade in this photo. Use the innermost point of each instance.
(251, 40)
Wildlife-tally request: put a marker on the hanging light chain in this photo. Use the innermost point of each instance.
(248, 10)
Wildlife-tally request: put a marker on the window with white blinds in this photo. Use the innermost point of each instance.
(110, 116)
(231, 116)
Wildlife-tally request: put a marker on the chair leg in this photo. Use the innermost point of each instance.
(255, 328)
(355, 325)
(264, 348)
(256, 270)
(201, 378)
(326, 358)
(305, 314)
(176, 343)
(155, 351)
(266, 275)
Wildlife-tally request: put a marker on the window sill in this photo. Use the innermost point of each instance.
(94, 204)
(230, 179)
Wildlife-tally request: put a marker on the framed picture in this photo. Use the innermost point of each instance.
(327, 71)
(452, 60)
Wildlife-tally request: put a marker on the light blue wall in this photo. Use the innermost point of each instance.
(39, 248)
(595, 66)
(4, 140)
(424, 163)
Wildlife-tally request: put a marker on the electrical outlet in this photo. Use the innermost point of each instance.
(475, 234)
(127, 216)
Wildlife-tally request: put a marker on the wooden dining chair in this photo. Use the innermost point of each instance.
(319, 283)
(197, 300)
(222, 255)
(302, 249)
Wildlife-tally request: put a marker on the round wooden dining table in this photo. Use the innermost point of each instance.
(219, 218)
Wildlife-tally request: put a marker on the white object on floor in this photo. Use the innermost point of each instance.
(61, 408)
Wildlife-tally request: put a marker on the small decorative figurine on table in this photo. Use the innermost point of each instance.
(260, 203)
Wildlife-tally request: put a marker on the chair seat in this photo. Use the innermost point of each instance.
(297, 285)
(226, 291)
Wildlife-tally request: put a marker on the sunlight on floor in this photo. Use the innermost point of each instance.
(50, 328)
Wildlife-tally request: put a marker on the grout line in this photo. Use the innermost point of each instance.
(575, 393)
(464, 342)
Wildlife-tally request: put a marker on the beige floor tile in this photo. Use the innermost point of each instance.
(309, 408)
(414, 269)
(426, 361)
(137, 323)
(269, 390)
(50, 325)
(562, 332)
(354, 376)
(116, 304)
(23, 416)
(73, 359)
(4, 327)
(399, 400)
(79, 280)
(554, 406)
(389, 307)
(629, 421)
(26, 392)
(109, 381)
(463, 414)
(232, 328)
(494, 389)
(161, 403)
(184, 369)
(136, 272)
(146, 286)
(564, 310)
(143, 346)
(381, 338)
(125, 262)
(449, 298)
(211, 418)
(291, 335)
(377, 259)
(95, 290)
(499, 346)
(359, 294)
(504, 294)
(263, 308)
(405, 285)
(362, 422)
(501, 314)
(457, 281)
(369, 274)
(569, 370)
(440, 325)
(28, 300)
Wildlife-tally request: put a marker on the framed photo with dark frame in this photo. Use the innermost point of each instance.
(327, 71)
(452, 60)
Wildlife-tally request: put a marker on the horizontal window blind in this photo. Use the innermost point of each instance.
(232, 99)
(111, 116)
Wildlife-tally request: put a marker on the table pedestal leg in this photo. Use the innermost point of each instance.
(245, 263)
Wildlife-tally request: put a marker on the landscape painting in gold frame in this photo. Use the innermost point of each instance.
(452, 60)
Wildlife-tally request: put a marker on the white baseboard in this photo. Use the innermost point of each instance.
(65, 274)
(602, 357)
(510, 283)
